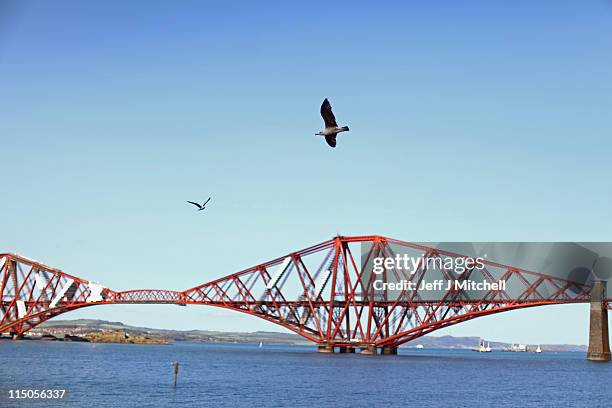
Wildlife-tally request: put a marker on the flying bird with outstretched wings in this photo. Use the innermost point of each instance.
(200, 206)
(331, 127)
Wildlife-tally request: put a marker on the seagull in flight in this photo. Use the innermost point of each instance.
(200, 206)
(331, 127)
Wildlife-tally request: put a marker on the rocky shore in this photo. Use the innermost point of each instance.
(104, 337)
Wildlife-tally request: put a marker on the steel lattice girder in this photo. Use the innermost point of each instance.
(319, 292)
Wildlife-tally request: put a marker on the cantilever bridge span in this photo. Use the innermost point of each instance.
(322, 293)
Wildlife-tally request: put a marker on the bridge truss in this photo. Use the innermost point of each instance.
(322, 293)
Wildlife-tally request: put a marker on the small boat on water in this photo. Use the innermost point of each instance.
(518, 348)
(482, 348)
(419, 346)
(260, 344)
(538, 350)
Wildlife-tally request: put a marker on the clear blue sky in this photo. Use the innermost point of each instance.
(488, 120)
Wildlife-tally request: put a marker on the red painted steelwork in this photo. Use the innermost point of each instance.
(319, 292)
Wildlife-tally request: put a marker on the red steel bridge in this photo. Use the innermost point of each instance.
(319, 292)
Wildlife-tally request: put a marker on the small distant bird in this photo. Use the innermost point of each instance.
(331, 127)
(200, 206)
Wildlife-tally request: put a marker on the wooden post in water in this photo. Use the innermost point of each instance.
(176, 368)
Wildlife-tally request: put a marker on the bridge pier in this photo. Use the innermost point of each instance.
(369, 351)
(17, 336)
(599, 342)
(346, 349)
(323, 348)
(389, 351)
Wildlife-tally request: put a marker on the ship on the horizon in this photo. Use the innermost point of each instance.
(518, 348)
(482, 348)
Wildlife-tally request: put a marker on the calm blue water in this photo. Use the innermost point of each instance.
(213, 375)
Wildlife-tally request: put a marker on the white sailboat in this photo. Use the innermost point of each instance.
(488, 348)
(260, 344)
(539, 349)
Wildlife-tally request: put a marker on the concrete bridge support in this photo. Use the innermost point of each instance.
(599, 342)
(369, 350)
(346, 349)
(325, 349)
(389, 351)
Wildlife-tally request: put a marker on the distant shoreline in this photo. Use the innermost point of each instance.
(255, 345)
(101, 331)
